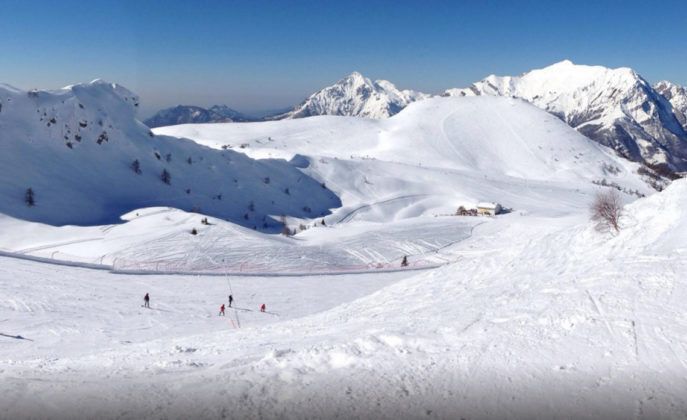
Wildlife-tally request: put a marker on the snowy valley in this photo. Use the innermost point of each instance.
(534, 310)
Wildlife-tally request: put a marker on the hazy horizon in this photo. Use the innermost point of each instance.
(269, 55)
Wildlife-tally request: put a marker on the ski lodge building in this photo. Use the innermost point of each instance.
(489, 209)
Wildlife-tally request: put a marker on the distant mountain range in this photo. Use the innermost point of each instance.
(190, 114)
(615, 107)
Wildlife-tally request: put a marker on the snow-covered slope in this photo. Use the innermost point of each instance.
(677, 95)
(450, 147)
(76, 150)
(532, 314)
(190, 114)
(539, 317)
(434, 156)
(615, 107)
(355, 95)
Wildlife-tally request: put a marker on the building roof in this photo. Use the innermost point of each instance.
(488, 205)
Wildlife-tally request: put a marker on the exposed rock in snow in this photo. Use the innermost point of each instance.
(355, 95)
(677, 95)
(190, 114)
(88, 160)
(615, 107)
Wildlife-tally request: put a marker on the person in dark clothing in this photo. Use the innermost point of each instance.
(262, 308)
(146, 301)
(221, 310)
(231, 299)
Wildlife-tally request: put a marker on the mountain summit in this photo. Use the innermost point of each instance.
(615, 107)
(355, 95)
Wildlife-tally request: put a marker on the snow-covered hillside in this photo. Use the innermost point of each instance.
(433, 157)
(615, 107)
(189, 114)
(525, 314)
(355, 95)
(677, 95)
(460, 149)
(83, 158)
(540, 316)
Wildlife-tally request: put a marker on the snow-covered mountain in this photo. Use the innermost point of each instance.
(677, 95)
(355, 95)
(615, 107)
(79, 156)
(190, 114)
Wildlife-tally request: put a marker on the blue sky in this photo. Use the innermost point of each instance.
(258, 55)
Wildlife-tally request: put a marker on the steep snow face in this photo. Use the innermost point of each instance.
(677, 95)
(615, 107)
(87, 160)
(355, 95)
(189, 114)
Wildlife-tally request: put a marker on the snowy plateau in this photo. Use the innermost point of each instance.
(380, 301)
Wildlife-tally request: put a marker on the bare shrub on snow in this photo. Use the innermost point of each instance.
(606, 209)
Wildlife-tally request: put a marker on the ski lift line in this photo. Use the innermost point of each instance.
(231, 289)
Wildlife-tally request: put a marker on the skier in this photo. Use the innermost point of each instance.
(262, 308)
(146, 301)
(404, 263)
(231, 299)
(221, 310)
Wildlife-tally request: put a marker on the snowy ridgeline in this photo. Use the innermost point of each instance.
(79, 156)
(615, 107)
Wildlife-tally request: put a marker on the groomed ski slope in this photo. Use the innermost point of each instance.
(541, 317)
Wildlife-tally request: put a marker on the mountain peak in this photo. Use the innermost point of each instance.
(563, 63)
(355, 95)
(614, 106)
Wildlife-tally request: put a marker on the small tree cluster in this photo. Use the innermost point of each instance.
(606, 210)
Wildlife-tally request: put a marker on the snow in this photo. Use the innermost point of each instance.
(355, 95)
(615, 107)
(538, 315)
(75, 148)
(533, 313)
(677, 95)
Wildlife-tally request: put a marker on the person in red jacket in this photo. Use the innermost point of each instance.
(262, 308)
(221, 310)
